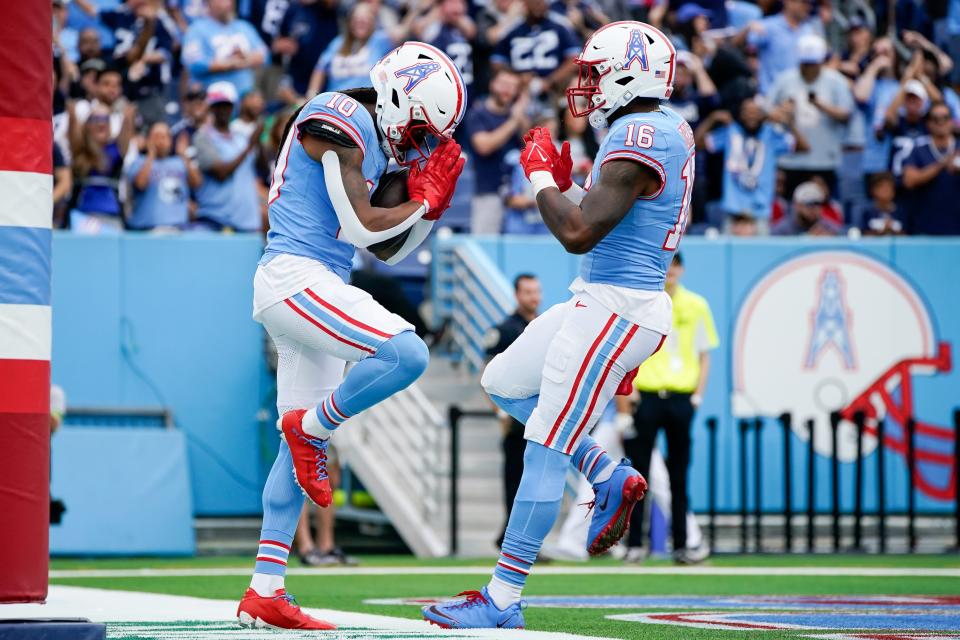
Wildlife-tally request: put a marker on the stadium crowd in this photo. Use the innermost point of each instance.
(828, 117)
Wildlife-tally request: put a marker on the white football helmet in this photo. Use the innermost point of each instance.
(621, 61)
(420, 94)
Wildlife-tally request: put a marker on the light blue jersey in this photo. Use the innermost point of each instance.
(207, 40)
(302, 218)
(637, 252)
(232, 202)
(750, 166)
(164, 201)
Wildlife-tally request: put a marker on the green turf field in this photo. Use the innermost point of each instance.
(348, 592)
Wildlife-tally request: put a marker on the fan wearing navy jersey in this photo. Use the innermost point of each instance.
(543, 44)
(332, 156)
(449, 28)
(562, 372)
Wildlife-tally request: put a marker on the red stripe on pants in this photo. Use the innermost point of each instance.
(576, 383)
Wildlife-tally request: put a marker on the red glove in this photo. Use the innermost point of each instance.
(626, 385)
(563, 168)
(435, 183)
(538, 153)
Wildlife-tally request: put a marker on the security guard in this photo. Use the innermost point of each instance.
(671, 384)
(526, 289)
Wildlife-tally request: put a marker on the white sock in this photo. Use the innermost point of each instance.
(266, 584)
(312, 426)
(605, 473)
(503, 593)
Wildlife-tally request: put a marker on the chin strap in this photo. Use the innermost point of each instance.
(350, 225)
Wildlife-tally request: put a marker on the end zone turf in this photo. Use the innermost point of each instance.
(605, 593)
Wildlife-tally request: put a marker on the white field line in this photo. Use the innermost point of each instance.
(863, 572)
(101, 605)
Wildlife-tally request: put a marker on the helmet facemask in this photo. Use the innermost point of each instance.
(590, 72)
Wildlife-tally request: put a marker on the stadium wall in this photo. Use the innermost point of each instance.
(148, 321)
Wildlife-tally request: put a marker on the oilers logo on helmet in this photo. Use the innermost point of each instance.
(838, 331)
(415, 74)
(637, 50)
(831, 322)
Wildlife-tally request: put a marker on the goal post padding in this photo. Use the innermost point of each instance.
(26, 147)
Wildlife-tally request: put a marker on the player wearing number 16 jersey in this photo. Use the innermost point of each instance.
(561, 373)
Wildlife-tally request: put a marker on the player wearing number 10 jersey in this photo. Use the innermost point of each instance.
(561, 373)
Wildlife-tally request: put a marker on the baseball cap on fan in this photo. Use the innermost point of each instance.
(809, 193)
(916, 88)
(222, 91)
(811, 49)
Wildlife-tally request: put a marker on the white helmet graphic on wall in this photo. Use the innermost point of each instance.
(620, 62)
(420, 95)
(840, 331)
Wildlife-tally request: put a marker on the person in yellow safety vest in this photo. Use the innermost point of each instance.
(671, 384)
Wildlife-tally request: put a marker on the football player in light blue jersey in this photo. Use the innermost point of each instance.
(566, 367)
(334, 152)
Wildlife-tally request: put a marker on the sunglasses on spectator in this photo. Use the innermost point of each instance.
(943, 117)
(99, 119)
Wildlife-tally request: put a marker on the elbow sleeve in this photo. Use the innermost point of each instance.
(350, 225)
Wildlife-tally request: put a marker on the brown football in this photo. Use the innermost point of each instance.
(391, 191)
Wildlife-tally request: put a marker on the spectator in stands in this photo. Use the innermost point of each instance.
(694, 93)
(751, 146)
(88, 45)
(542, 47)
(494, 125)
(62, 186)
(449, 28)
(671, 384)
(220, 47)
(526, 289)
(145, 51)
(807, 215)
(97, 166)
(904, 121)
(931, 177)
(777, 39)
(859, 41)
(494, 19)
(250, 114)
(883, 217)
(194, 111)
(161, 181)
(228, 197)
(522, 215)
(108, 96)
(307, 28)
(873, 91)
(823, 105)
(347, 61)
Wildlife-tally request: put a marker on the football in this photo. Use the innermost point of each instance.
(390, 192)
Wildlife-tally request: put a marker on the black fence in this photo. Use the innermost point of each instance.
(748, 428)
(754, 428)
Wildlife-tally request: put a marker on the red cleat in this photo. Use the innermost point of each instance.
(309, 459)
(279, 611)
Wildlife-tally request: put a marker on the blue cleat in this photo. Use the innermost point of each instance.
(475, 611)
(613, 503)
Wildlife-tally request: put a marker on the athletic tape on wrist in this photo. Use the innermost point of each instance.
(541, 180)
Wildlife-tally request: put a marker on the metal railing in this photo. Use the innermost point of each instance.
(397, 449)
(472, 294)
